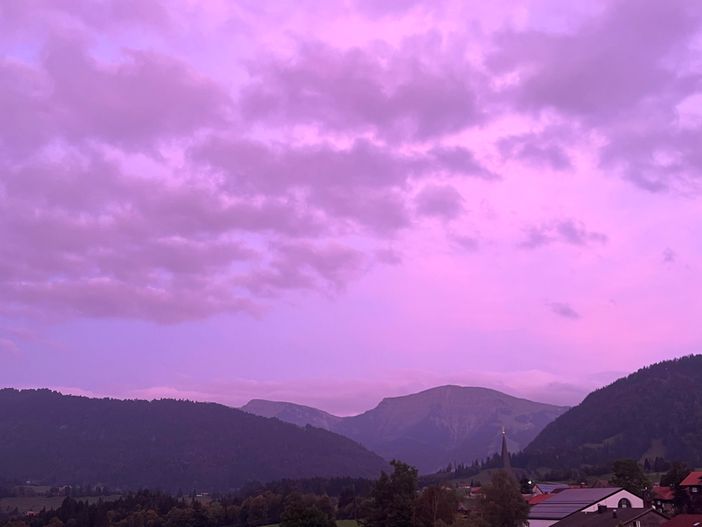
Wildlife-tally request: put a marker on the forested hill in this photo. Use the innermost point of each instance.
(53, 438)
(655, 412)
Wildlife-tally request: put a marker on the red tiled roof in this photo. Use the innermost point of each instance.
(539, 498)
(693, 478)
(663, 493)
(684, 520)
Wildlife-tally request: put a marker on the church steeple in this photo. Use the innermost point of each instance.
(506, 463)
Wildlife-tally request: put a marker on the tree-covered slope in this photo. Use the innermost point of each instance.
(654, 412)
(167, 444)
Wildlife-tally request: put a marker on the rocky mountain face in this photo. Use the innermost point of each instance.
(447, 424)
(172, 445)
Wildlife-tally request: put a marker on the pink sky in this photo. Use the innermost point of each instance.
(333, 202)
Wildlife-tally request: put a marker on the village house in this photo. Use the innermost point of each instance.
(549, 488)
(569, 501)
(663, 499)
(605, 517)
(693, 483)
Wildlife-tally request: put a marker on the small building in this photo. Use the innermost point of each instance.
(605, 517)
(663, 499)
(693, 483)
(561, 505)
(549, 488)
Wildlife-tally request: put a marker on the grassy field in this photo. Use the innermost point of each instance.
(37, 503)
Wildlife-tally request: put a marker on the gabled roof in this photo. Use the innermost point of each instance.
(692, 479)
(606, 518)
(684, 520)
(539, 498)
(569, 501)
(663, 493)
(547, 488)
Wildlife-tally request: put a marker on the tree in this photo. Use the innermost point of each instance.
(436, 504)
(673, 478)
(526, 486)
(628, 475)
(393, 498)
(298, 513)
(502, 504)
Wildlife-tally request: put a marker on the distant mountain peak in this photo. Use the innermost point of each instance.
(430, 428)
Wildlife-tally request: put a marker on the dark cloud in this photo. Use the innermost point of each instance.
(439, 201)
(608, 66)
(467, 243)
(307, 266)
(96, 14)
(365, 184)
(622, 73)
(563, 310)
(400, 96)
(567, 231)
(540, 149)
(669, 256)
(82, 237)
(144, 99)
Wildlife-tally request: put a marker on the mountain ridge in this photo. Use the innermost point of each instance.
(297, 414)
(441, 425)
(166, 444)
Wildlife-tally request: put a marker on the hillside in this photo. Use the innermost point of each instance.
(53, 438)
(296, 414)
(447, 424)
(443, 425)
(656, 411)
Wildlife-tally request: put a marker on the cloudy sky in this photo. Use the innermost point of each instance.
(332, 202)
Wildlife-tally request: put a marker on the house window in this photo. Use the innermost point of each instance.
(695, 489)
(624, 503)
(637, 523)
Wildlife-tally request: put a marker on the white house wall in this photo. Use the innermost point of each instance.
(612, 502)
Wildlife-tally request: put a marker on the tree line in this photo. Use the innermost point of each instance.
(393, 500)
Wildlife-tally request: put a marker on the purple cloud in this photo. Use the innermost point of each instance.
(159, 97)
(467, 243)
(625, 88)
(145, 99)
(364, 184)
(604, 69)
(563, 310)
(540, 149)
(102, 15)
(398, 97)
(669, 256)
(567, 231)
(306, 266)
(212, 160)
(440, 201)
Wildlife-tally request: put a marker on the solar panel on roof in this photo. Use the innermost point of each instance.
(569, 501)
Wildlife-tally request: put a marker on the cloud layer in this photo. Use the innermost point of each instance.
(171, 165)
